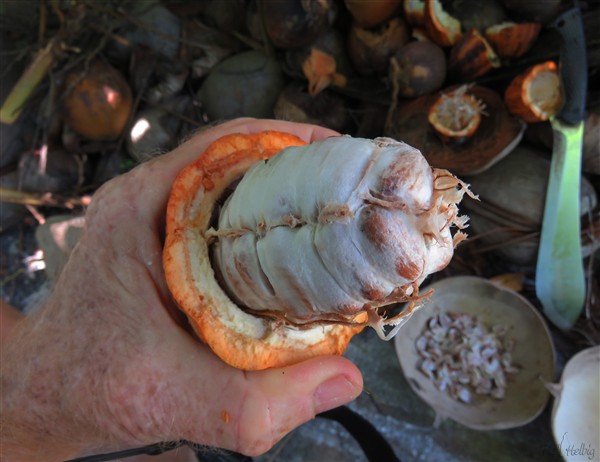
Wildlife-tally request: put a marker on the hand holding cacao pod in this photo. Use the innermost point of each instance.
(312, 244)
(105, 363)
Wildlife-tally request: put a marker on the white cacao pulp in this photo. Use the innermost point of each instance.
(335, 230)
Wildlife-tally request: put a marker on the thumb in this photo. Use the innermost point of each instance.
(257, 409)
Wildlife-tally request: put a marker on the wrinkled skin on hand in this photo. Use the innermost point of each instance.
(107, 362)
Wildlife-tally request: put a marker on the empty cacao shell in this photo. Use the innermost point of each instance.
(536, 94)
(471, 57)
(512, 40)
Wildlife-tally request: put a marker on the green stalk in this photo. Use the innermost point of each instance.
(30, 79)
(560, 279)
(19, 197)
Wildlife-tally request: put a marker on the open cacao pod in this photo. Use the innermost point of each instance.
(312, 246)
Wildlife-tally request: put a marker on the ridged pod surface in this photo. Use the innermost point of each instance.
(331, 231)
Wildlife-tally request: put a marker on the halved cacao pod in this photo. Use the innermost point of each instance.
(456, 115)
(313, 244)
(536, 94)
(513, 40)
(242, 340)
(443, 28)
(471, 57)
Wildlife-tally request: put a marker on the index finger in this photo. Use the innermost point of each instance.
(191, 149)
(161, 172)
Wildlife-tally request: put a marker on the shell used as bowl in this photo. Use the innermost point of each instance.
(532, 353)
(497, 135)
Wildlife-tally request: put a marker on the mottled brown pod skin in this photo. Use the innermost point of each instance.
(98, 104)
(370, 50)
(512, 40)
(442, 28)
(296, 23)
(371, 13)
(471, 57)
(418, 68)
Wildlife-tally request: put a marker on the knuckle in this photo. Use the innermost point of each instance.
(255, 433)
(115, 201)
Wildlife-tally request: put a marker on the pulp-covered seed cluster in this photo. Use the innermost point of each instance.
(336, 230)
(462, 356)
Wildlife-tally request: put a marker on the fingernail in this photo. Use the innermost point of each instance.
(334, 392)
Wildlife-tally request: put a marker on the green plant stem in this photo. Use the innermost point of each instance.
(19, 197)
(30, 79)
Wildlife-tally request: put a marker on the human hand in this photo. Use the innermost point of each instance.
(107, 363)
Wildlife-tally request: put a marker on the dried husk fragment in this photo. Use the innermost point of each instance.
(320, 69)
(441, 26)
(471, 57)
(536, 94)
(323, 63)
(513, 40)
